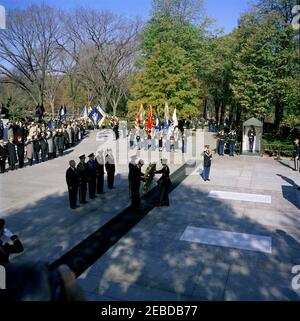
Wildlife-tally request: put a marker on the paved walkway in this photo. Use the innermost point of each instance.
(151, 263)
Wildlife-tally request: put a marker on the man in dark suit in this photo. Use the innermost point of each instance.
(91, 165)
(135, 178)
(110, 168)
(164, 184)
(7, 248)
(83, 179)
(72, 179)
(12, 155)
(3, 155)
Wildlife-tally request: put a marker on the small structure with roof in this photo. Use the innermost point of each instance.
(258, 126)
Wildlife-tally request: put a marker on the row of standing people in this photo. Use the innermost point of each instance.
(89, 176)
(39, 145)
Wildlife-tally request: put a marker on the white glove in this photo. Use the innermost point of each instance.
(8, 233)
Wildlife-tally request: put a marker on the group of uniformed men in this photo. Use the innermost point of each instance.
(90, 175)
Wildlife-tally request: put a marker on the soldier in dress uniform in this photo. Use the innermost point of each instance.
(92, 169)
(100, 172)
(251, 136)
(164, 183)
(83, 179)
(296, 154)
(222, 141)
(72, 179)
(232, 140)
(110, 168)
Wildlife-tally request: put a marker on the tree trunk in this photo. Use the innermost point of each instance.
(222, 117)
(217, 109)
(278, 116)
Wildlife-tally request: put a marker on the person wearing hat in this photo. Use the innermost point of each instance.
(164, 183)
(100, 172)
(135, 178)
(3, 156)
(110, 168)
(72, 179)
(207, 163)
(92, 172)
(83, 179)
(7, 248)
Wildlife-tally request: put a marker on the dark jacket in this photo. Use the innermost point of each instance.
(11, 150)
(83, 172)
(165, 178)
(60, 141)
(6, 249)
(207, 159)
(136, 176)
(72, 177)
(91, 166)
(232, 138)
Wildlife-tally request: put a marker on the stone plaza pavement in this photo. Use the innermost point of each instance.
(34, 200)
(151, 262)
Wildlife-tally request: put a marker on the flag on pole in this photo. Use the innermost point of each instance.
(166, 119)
(84, 114)
(157, 123)
(102, 115)
(137, 120)
(95, 116)
(142, 115)
(150, 120)
(174, 119)
(62, 112)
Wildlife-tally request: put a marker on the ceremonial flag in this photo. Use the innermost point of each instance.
(166, 119)
(150, 121)
(102, 115)
(174, 119)
(84, 114)
(62, 112)
(142, 115)
(157, 124)
(95, 116)
(137, 121)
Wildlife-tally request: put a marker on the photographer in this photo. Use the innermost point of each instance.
(7, 248)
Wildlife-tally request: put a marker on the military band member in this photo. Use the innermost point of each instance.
(164, 183)
(100, 172)
(91, 165)
(232, 141)
(207, 163)
(222, 141)
(83, 179)
(72, 179)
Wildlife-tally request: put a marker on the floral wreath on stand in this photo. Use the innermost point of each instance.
(149, 175)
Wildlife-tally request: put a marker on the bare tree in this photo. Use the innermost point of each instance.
(102, 46)
(28, 49)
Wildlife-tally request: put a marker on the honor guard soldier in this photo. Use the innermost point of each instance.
(72, 179)
(251, 136)
(296, 154)
(232, 141)
(92, 169)
(83, 179)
